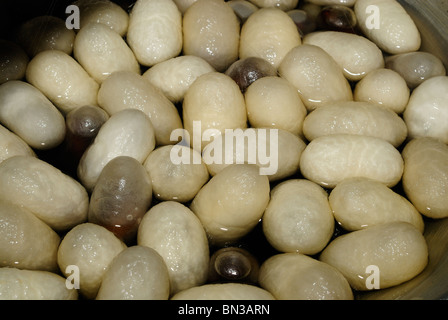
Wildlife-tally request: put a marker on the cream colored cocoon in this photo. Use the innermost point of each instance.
(91, 248)
(268, 33)
(26, 242)
(328, 160)
(425, 176)
(359, 203)
(155, 31)
(211, 30)
(136, 273)
(27, 112)
(16, 284)
(294, 276)
(54, 197)
(232, 202)
(284, 5)
(316, 75)
(176, 233)
(387, 23)
(103, 11)
(356, 55)
(298, 217)
(12, 145)
(352, 117)
(62, 79)
(397, 251)
(174, 76)
(102, 51)
(126, 133)
(224, 291)
(128, 90)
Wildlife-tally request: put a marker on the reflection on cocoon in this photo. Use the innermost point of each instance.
(121, 197)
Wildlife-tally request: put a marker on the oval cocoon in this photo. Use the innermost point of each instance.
(328, 160)
(355, 54)
(62, 79)
(397, 250)
(16, 284)
(294, 276)
(54, 197)
(91, 248)
(127, 90)
(12, 145)
(26, 242)
(426, 114)
(274, 103)
(316, 75)
(155, 31)
(211, 31)
(298, 217)
(232, 202)
(126, 133)
(214, 101)
(277, 152)
(387, 23)
(177, 235)
(359, 203)
(425, 176)
(102, 51)
(224, 291)
(177, 173)
(136, 273)
(13, 61)
(174, 76)
(268, 33)
(29, 114)
(352, 117)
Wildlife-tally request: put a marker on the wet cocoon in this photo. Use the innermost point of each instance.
(26, 242)
(268, 33)
(62, 79)
(425, 176)
(136, 273)
(12, 145)
(273, 102)
(356, 55)
(13, 61)
(281, 4)
(294, 276)
(103, 11)
(155, 31)
(102, 51)
(28, 113)
(172, 180)
(298, 217)
(174, 76)
(359, 203)
(328, 160)
(216, 101)
(398, 249)
(224, 291)
(395, 33)
(127, 90)
(360, 118)
(16, 284)
(384, 87)
(232, 202)
(426, 114)
(178, 236)
(54, 197)
(91, 248)
(316, 75)
(276, 152)
(121, 197)
(126, 133)
(211, 31)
